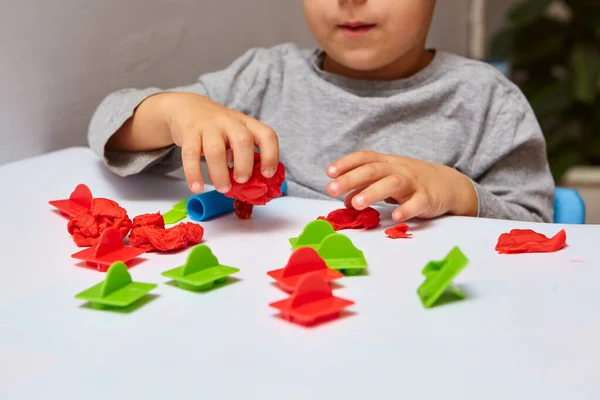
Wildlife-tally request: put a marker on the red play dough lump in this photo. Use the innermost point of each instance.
(257, 191)
(349, 218)
(529, 241)
(398, 232)
(87, 227)
(242, 210)
(149, 233)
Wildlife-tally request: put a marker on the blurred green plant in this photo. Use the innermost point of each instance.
(555, 59)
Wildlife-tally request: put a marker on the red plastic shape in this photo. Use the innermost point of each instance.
(109, 249)
(303, 261)
(79, 202)
(311, 302)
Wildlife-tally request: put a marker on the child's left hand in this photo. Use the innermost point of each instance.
(421, 189)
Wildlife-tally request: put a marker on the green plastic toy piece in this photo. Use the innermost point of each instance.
(313, 234)
(176, 214)
(117, 290)
(439, 276)
(201, 270)
(340, 254)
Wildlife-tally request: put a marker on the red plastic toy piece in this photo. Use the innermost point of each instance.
(86, 228)
(312, 302)
(349, 218)
(303, 261)
(258, 190)
(529, 241)
(79, 202)
(398, 232)
(149, 233)
(110, 249)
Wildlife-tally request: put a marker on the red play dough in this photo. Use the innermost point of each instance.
(87, 227)
(349, 218)
(242, 210)
(398, 232)
(258, 190)
(149, 233)
(529, 241)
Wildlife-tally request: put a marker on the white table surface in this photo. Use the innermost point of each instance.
(529, 329)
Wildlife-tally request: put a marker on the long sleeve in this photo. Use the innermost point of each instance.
(514, 179)
(239, 87)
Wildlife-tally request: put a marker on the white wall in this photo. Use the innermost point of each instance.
(59, 58)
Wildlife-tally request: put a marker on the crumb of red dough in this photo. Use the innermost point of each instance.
(398, 232)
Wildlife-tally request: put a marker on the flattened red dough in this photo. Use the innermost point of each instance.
(529, 241)
(398, 232)
(86, 228)
(349, 218)
(149, 233)
(258, 190)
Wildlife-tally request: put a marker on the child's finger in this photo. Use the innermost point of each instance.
(191, 152)
(413, 207)
(348, 199)
(268, 144)
(359, 177)
(213, 144)
(389, 186)
(352, 161)
(241, 141)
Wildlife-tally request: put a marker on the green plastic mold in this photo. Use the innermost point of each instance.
(117, 290)
(313, 234)
(176, 214)
(439, 276)
(340, 254)
(201, 271)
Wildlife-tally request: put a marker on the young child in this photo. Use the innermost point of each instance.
(371, 115)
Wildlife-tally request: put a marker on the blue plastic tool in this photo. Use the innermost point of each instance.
(208, 205)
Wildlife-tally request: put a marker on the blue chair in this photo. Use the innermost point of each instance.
(569, 207)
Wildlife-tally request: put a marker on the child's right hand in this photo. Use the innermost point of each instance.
(201, 126)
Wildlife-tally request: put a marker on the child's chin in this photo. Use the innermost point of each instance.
(363, 60)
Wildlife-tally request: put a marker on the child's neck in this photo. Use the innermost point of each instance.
(404, 67)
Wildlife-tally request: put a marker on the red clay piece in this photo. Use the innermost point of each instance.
(79, 202)
(149, 233)
(258, 191)
(398, 232)
(108, 250)
(86, 228)
(242, 210)
(312, 302)
(303, 261)
(529, 241)
(349, 218)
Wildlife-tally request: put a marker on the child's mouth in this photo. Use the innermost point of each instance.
(356, 28)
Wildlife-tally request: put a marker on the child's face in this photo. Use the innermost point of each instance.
(367, 35)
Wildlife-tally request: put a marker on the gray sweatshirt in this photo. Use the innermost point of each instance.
(457, 112)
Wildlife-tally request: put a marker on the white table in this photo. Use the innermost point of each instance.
(529, 329)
